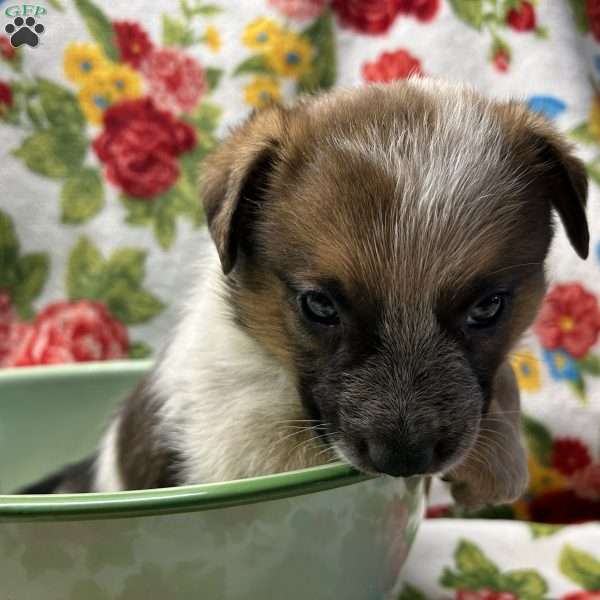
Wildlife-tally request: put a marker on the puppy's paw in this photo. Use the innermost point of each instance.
(500, 481)
(495, 470)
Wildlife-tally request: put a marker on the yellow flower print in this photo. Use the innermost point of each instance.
(594, 123)
(260, 34)
(262, 91)
(290, 55)
(543, 479)
(212, 38)
(521, 510)
(96, 96)
(82, 61)
(527, 370)
(111, 84)
(125, 81)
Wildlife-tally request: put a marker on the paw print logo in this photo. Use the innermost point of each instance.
(24, 31)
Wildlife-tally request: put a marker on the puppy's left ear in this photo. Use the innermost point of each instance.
(566, 179)
(235, 181)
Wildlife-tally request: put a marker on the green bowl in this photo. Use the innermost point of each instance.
(320, 533)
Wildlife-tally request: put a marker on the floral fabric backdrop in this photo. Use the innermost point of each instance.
(104, 125)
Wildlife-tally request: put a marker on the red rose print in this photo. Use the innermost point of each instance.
(569, 320)
(139, 146)
(586, 482)
(6, 96)
(66, 332)
(367, 16)
(391, 66)
(299, 9)
(437, 512)
(522, 18)
(6, 49)
(423, 10)
(588, 595)
(175, 80)
(563, 506)
(132, 41)
(569, 455)
(501, 60)
(592, 9)
(484, 594)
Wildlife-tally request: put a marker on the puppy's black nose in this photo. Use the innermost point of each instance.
(400, 461)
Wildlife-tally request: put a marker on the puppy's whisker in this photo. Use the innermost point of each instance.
(514, 427)
(308, 441)
(289, 436)
(494, 447)
(326, 450)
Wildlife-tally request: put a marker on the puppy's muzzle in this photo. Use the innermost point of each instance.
(392, 457)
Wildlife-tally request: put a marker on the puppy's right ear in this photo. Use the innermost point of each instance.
(235, 180)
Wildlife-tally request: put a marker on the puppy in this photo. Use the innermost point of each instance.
(378, 253)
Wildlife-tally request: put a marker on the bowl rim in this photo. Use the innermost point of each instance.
(164, 500)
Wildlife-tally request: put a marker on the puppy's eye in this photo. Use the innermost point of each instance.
(319, 308)
(486, 312)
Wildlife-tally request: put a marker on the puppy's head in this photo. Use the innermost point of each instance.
(386, 244)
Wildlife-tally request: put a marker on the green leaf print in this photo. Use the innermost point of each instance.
(410, 592)
(254, 64)
(9, 251)
(165, 227)
(539, 530)
(474, 569)
(126, 264)
(187, 204)
(23, 276)
(82, 196)
(132, 306)
(99, 26)
(526, 584)
(581, 567)
(85, 271)
(321, 74)
(580, 15)
(582, 133)
(213, 76)
(139, 350)
(52, 152)
(35, 114)
(185, 198)
(539, 439)
(470, 559)
(115, 281)
(138, 213)
(176, 32)
(593, 170)
(207, 10)
(590, 364)
(162, 212)
(60, 106)
(32, 272)
(469, 11)
(205, 118)
(579, 389)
